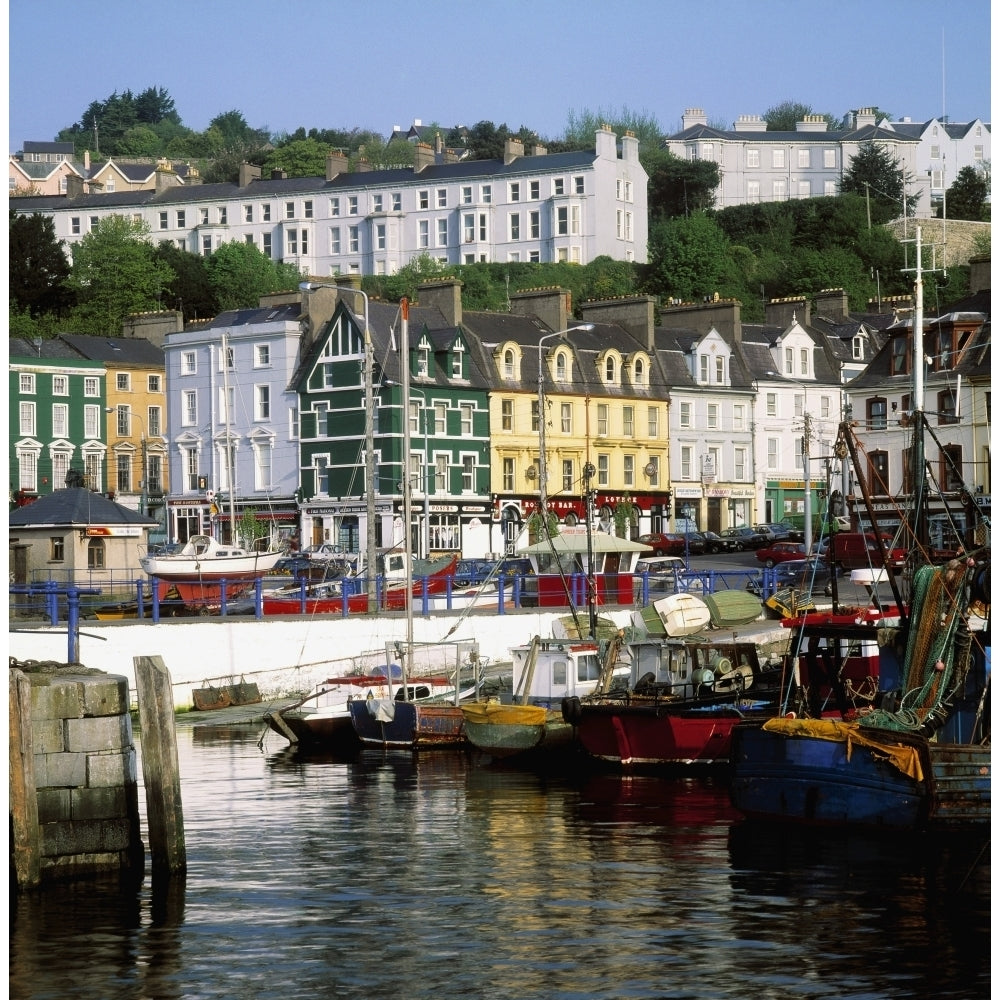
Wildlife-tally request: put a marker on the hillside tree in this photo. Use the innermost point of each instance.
(115, 272)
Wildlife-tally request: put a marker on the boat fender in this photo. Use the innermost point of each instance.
(572, 711)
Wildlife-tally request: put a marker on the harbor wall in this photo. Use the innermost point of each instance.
(283, 657)
(74, 788)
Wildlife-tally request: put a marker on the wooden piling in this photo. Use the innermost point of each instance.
(160, 770)
(23, 796)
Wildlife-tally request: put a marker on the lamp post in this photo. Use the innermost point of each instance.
(311, 286)
(806, 434)
(542, 463)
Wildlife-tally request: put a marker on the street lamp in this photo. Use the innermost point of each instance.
(542, 464)
(311, 286)
(806, 434)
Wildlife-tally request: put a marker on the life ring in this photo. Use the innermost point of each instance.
(572, 711)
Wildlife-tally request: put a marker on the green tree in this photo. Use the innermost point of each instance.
(302, 158)
(582, 125)
(239, 274)
(678, 186)
(115, 273)
(37, 269)
(189, 290)
(968, 197)
(690, 258)
(140, 141)
(875, 175)
(783, 117)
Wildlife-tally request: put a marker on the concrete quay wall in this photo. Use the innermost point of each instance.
(282, 656)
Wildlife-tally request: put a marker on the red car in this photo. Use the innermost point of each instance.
(663, 545)
(781, 552)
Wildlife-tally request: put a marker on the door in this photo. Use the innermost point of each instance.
(714, 514)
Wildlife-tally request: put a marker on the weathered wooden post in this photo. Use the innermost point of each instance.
(23, 795)
(160, 770)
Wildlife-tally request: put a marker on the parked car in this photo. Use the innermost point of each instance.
(805, 575)
(322, 551)
(713, 542)
(296, 564)
(783, 531)
(663, 544)
(663, 573)
(857, 550)
(472, 571)
(779, 552)
(696, 543)
(741, 539)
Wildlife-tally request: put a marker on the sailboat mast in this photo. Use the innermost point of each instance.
(230, 471)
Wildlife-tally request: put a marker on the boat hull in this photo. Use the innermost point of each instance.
(635, 736)
(328, 732)
(780, 776)
(513, 730)
(407, 725)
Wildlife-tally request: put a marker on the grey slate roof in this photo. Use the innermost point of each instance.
(50, 347)
(283, 187)
(72, 506)
(120, 350)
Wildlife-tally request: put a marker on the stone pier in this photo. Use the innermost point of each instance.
(74, 788)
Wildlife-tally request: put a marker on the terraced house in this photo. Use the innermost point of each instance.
(527, 206)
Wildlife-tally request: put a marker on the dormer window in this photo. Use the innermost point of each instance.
(638, 372)
(858, 345)
(703, 367)
(423, 360)
(457, 358)
(561, 367)
(900, 355)
(609, 369)
(508, 364)
(720, 370)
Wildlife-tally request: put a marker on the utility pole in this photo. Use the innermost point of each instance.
(807, 496)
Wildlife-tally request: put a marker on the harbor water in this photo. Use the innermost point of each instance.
(442, 875)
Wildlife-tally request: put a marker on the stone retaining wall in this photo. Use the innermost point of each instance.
(84, 771)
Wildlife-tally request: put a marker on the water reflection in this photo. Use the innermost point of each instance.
(421, 876)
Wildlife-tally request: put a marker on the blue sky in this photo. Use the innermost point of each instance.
(379, 63)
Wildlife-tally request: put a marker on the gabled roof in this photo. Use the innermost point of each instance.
(75, 505)
(118, 350)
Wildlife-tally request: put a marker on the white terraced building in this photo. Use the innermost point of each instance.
(533, 206)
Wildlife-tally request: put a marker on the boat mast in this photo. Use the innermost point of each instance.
(230, 470)
(404, 350)
(919, 479)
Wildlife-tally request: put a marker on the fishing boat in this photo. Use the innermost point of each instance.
(545, 672)
(322, 719)
(908, 743)
(404, 718)
(684, 698)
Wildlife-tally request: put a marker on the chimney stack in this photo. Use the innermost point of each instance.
(423, 156)
(336, 164)
(512, 149)
(553, 306)
(445, 296)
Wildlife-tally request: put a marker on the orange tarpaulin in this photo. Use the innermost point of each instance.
(903, 758)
